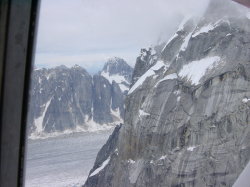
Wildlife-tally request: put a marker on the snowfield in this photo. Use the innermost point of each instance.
(92, 126)
(204, 29)
(117, 78)
(63, 161)
(207, 28)
(195, 70)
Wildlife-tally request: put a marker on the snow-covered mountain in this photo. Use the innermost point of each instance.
(116, 69)
(187, 117)
(65, 100)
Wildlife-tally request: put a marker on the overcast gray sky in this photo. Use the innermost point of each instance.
(88, 32)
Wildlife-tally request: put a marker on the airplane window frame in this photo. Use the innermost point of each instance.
(18, 21)
(16, 62)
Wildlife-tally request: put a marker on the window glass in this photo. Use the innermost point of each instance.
(139, 93)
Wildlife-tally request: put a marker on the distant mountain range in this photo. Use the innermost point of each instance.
(65, 100)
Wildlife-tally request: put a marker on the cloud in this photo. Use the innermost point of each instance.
(93, 29)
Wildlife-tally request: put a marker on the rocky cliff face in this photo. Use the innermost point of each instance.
(70, 99)
(187, 118)
(117, 70)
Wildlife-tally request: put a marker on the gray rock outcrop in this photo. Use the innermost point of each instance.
(187, 117)
(71, 99)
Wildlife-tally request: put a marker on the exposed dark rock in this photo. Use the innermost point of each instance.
(71, 99)
(107, 151)
(187, 114)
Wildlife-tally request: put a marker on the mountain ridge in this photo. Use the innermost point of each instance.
(66, 100)
(187, 113)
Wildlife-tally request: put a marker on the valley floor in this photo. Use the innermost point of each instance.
(63, 161)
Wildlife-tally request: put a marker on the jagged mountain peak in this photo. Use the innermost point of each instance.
(187, 110)
(62, 72)
(79, 68)
(65, 100)
(68, 99)
(61, 67)
(218, 29)
(116, 65)
(115, 60)
(117, 70)
(76, 66)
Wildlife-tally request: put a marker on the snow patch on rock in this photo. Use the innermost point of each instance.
(117, 115)
(173, 37)
(178, 98)
(245, 100)
(248, 15)
(207, 28)
(185, 42)
(123, 87)
(104, 164)
(39, 121)
(143, 113)
(163, 157)
(119, 79)
(180, 28)
(191, 148)
(204, 29)
(195, 70)
(130, 161)
(168, 77)
(149, 73)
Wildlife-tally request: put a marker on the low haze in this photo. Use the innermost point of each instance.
(88, 32)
